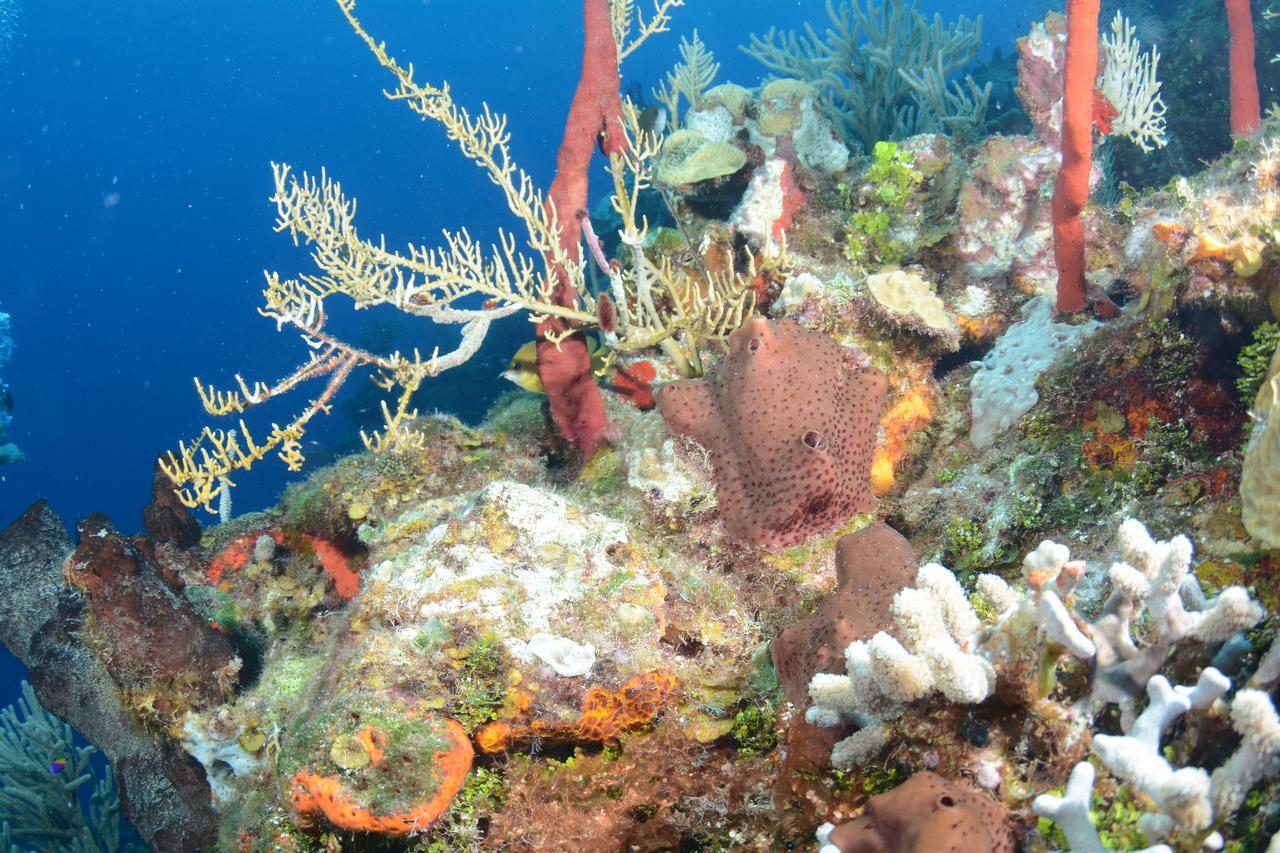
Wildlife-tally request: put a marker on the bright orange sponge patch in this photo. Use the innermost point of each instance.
(315, 796)
(606, 714)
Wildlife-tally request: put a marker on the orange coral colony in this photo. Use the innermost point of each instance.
(314, 795)
(336, 564)
(606, 714)
(903, 420)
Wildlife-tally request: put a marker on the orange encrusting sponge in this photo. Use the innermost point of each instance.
(315, 795)
(606, 714)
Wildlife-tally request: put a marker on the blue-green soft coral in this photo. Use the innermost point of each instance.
(41, 774)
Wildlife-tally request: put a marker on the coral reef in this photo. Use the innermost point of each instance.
(469, 637)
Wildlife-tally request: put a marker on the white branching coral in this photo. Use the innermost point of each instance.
(1190, 802)
(1254, 719)
(941, 646)
(937, 627)
(1071, 813)
(1155, 578)
(1182, 794)
(1129, 83)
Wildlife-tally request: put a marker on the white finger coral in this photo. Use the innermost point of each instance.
(1071, 813)
(1191, 801)
(1183, 794)
(940, 646)
(1155, 578)
(1254, 719)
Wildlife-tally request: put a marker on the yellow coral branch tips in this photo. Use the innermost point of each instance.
(658, 303)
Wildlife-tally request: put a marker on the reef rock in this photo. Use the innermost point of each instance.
(516, 561)
(152, 638)
(1003, 228)
(790, 420)
(162, 789)
(166, 519)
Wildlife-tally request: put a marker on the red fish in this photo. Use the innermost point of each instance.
(634, 384)
(1103, 112)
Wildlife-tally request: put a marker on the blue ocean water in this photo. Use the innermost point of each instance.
(135, 148)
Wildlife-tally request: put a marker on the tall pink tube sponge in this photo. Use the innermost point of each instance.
(595, 117)
(1246, 116)
(1072, 188)
(790, 419)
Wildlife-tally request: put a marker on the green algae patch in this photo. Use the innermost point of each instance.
(383, 751)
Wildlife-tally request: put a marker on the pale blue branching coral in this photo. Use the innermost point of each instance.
(40, 803)
(883, 70)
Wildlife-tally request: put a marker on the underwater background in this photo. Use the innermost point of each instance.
(136, 143)
(135, 179)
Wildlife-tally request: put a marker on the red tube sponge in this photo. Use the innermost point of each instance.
(1072, 188)
(1246, 115)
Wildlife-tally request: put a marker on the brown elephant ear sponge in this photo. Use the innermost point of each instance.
(927, 814)
(789, 418)
(872, 565)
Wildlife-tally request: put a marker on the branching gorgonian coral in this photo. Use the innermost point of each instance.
(883, 71)
(462, 282)
(42, 774)
(1130, 84)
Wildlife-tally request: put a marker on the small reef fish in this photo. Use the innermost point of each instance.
(57, 765)
(523, 369)
(653, 120)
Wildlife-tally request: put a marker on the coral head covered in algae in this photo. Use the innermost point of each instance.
(790, 420)
(313, 795)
